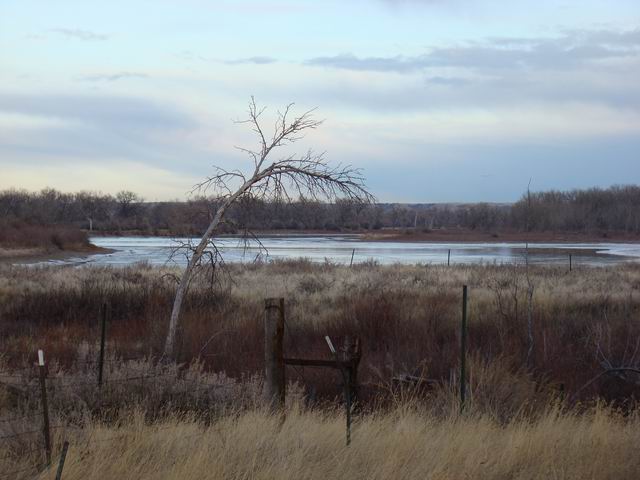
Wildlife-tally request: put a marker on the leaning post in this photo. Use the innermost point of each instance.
(274, 378)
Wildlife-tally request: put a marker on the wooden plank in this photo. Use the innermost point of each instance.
(306, 362)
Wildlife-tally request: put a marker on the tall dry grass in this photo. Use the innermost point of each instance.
(402, 443)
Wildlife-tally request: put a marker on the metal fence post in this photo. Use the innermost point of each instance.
(347, 386)
(63, 457)
(102, 343)
(463, 349)
(45, 407)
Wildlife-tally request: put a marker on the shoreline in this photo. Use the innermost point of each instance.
(28, 256)
(434, 236)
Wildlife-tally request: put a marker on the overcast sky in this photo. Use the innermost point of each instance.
(436, 100)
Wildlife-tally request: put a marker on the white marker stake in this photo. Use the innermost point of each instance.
(41, 358)
(333, 350)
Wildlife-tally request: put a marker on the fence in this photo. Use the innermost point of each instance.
(38, 440)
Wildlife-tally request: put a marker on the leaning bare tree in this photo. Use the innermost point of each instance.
(289, 177)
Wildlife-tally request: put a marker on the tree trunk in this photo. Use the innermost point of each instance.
(193, 261)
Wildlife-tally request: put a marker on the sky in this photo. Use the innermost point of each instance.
(435, 100)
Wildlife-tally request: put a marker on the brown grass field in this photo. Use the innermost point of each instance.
(538, 415)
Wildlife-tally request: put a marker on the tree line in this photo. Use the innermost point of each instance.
(596, 209)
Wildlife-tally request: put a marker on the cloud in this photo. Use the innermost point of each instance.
(76, 33)
(113, 77)
(112, 111)
(448, 81)
(90, 128)
(258, 60)
(572, 49)
(349, 61)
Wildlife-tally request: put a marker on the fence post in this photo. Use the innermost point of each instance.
(449, 258)
(463, 349)
(352, 254)
(570, 262)
(103, 335)
(63, 457)
(274, 379)
(351, 355)
(347, 386)
(45, 407)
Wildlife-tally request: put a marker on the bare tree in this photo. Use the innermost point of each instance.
(293, 176)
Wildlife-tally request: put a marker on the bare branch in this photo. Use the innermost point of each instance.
(301, 176)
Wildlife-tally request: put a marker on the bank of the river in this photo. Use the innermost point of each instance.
(409, 235)
(38, 254)
(473, 236)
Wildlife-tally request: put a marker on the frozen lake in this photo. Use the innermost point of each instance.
(339, 248)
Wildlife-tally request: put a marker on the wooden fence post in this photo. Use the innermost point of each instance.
(449, 258)
(351, 357)
(45, 407)
(274, 379)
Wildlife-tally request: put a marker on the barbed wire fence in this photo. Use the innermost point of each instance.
(26, 434)
(51, 400)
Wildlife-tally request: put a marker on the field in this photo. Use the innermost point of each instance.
(539, 405)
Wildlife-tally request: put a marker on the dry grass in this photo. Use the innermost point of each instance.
(407, 317)
(19, 235)
(202, 418)
(404, 443)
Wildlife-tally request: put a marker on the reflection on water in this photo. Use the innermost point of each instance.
(339, 248)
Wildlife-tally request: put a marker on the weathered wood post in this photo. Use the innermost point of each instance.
(449, 258)
(45, 407)
(351, 355)
(570, 262)
(274, 379)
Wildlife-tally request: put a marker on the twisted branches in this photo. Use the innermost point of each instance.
(307, 175)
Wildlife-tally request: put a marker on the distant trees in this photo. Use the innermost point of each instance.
(611, 209)
(616, 208)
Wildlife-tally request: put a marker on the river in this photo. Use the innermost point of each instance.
(340, 248)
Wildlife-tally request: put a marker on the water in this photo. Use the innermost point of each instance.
(339, 248)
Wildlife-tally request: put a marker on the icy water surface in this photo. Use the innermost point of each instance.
(339, 249)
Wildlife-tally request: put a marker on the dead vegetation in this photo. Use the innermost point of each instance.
(557, 415)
